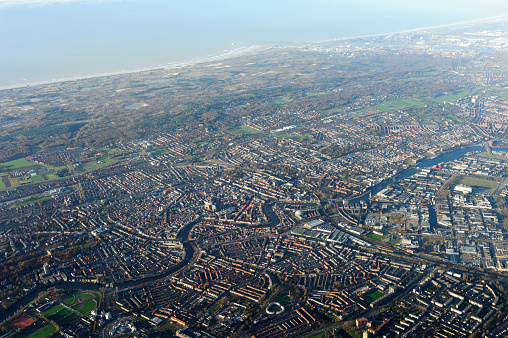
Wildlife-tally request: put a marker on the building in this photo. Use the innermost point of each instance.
(463, 189)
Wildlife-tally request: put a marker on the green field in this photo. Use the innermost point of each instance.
(494, 156)
(331, 111)
(217, 305)
(70, 301)
(320, 335)
(38, 331)
(76, 122)
(282, 297)
(317, 93)
(19, 163)
(2, 185)
(80, 169)
(476, 182)
(397, 104)
(411, 102)
(376, 236)
(282, 100)
(31, 179)
(499, 91)
(452, 118)
(409, 161)
(246, 130)
(85, 307)
(57, 317)
(293, 136)
(373, 295)
(33, 201)
(84, 296)
(214, 308)
(418, 78)
(36, 178)
(449, 97)
(95, 163)
(389, 105)
(52, 310)
(64, 317)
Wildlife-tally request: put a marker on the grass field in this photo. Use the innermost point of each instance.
(411, 102)
(499, 91)
(80, 169)
(246, 130)
(17, 164)
(52, 311)
(217, 305)
(36, 178)
(449, 97)
(84, 296)
(214, 308)
(452, 118)
(64, 317)
(38, 331)
(493, 155)
(85, 307)
(76, 122)
(2, 185)
(317, 93)
(69, 319)
(418, 78)
(33, 201)
(70, 301)
(476, 182)
(389, 105)
(343, 334)
(82, 302)
(376, 236)
(293, 136)
(282, 100)
(57, 317)
(31, 179)
(397, 104)
(282, 297)
(319, 335)
(373, 295)
(100, 162)
(331, 111)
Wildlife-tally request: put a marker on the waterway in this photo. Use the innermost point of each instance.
(426, 163)
(183, 237)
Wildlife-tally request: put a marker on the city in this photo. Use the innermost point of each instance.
(340, 189)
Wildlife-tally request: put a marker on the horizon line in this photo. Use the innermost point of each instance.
(233, 53)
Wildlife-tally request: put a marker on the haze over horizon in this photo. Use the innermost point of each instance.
(56, 39)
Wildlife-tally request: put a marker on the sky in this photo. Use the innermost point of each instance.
(43, 40)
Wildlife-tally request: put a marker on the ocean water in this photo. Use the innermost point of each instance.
(50, 40)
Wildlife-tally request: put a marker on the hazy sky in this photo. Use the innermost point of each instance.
(50, 39)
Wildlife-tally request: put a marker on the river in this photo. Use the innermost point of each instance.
(426, 163)
(183, 237)
(183, 234)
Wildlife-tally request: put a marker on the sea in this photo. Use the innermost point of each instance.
(44, 41)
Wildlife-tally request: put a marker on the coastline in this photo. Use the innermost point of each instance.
(237, 52)
(413, 30)
(203, 59)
